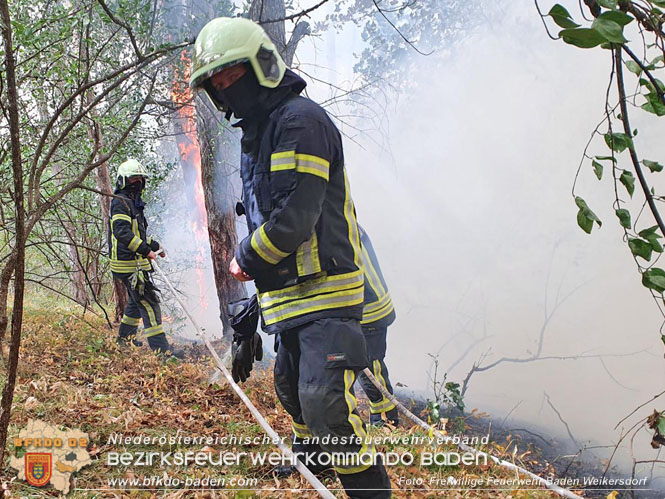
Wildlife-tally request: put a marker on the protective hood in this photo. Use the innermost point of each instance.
(269, 99)
(251, 102)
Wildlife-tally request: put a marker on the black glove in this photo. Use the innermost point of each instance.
(244, 351)
(247, 344)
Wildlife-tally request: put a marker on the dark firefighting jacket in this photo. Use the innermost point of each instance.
(303, 248)
(129, 243)
(378, 309)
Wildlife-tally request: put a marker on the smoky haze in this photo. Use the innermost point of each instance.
(471, 214)
(469, 208)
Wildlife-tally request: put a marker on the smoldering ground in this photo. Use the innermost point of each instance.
(468, 203)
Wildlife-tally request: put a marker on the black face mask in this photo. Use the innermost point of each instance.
(134, 188)
(244, 97)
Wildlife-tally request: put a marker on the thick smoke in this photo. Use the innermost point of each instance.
(470, 212)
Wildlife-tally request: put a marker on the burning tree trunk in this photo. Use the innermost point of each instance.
(206, 192)
(217, 171)
(217, 181)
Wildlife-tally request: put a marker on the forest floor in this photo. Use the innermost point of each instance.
(72, 374)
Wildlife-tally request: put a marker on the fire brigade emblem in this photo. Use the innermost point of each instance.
(38, 468)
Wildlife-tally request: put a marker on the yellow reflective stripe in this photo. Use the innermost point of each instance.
(356, 424)
(385, 404)
(122, 266)
(264, 247)
(285, 160)
(378, 304)
(150, 312)
(352, 224)
(130, 321)
(314, 165)
(144, 264)
(154, 331)
(301, 430)
(375, 316)
(317, 303)
(149, 240)
(134, 243)
(374, 279)
(321, 284)
(307, 257)
(120, 216)
(114, 247)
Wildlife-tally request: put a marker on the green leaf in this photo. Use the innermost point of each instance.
(606, 158)
(562, 17)
(597, 168)
(586, 217)
(624, 218)
(661, 425)
(650, 232)
(584, 38)
(620, 18)
(662, 337)
(660, 3)
(654, 104)
(640, 248)
(608, 4)
(652, 235)
(628, 181)
(618, 142)
(633, 67)
(654, 166)
(654, 278)
(609, 29)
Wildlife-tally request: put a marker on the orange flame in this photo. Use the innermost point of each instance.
(190, 156)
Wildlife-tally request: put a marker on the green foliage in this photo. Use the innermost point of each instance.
(654, 166)
(628, 180)
(606, 28)
(624, 218)
(598, 169)
(618, 142)
(654, 278)
(562, 17)
(586, 217)
(651, 235)
(640, 248)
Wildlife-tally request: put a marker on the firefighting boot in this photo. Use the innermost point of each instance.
(124, 341)
(160, 345)
(393, 416)
(376, 420)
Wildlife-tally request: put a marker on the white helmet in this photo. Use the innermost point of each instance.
(130, 168)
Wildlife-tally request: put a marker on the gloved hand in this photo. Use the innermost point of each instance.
(244, 351)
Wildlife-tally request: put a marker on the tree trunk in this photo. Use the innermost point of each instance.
(19, 264)
(218, 171)
(217, 178)
(103, 180)
(5, 279)
(76, 274)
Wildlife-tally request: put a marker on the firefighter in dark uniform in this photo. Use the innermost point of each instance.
(303, 249)
(378, 314)
(131, 250)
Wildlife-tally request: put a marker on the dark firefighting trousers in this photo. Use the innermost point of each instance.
(376, 351)
(315, 368)
(139, 307)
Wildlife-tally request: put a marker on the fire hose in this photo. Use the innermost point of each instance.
(507, 464)
(309, 476)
